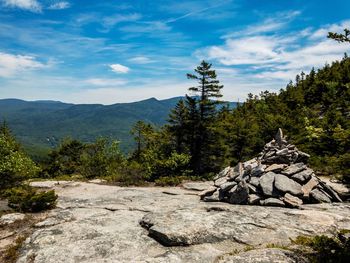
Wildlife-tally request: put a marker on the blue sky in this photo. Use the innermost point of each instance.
(119, 51)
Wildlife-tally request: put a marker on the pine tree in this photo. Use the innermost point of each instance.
(203, 142)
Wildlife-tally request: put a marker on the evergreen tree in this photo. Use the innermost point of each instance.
(340, 37)
(204, 133)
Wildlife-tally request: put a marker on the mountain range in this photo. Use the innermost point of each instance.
(41, 125)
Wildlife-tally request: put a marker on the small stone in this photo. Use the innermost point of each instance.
(227, 186)
(266, 183)
(257, 171)
(220, 181)
(223, 173)
(303, 176)
(254, 181)
(252, 188)
(286, 185)
(272, 202)
(319, 197)
(275, 168)
(282, 152)
(254, 199)
(207, 192)
(279, 137)
(293, 169)
(212, 198)
(292, 201)
(240, 195)
(328, 189)
(309, 186)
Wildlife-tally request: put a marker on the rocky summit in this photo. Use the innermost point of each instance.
(279, 176)
(109, 224)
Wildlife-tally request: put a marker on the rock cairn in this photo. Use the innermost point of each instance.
(279, 176)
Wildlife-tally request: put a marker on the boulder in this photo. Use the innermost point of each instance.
(266, 183)
(215, 197)
(240, 195)
(294, 168)
(320, 197)
(254, 199)
(227, 186)
(207, 192)
(303, 176)
(254, 181)
(275, 167)
(292, 201)
(220, 181)
(286, 185)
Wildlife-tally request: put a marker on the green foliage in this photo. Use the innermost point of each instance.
(326, 249)
(340, 37)
(25, 198)
(15, 165)
(12, 251)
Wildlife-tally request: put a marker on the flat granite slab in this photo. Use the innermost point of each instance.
(100, 223)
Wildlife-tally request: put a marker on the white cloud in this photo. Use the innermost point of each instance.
(141, 60)
(31, 5)
(59, 5)
(105, 82)
(279, 56)
(11, 65)
(110, 21)
(118, 68)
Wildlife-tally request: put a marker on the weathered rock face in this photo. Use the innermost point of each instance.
(100, 223)
(279, 176)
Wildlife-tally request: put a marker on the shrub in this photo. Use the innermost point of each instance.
(15, 165)
(27, 199)
(326, 249)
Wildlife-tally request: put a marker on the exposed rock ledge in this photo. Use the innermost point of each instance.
(99, 223)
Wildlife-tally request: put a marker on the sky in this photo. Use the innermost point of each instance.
(84, 51)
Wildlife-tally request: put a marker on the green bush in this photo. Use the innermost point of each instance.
(326, 249)
(27, 199)
(15, 165)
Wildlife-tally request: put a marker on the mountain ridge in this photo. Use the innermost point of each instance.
(41, 125)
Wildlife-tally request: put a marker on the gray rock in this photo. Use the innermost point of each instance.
(127, 224)
(286, 185)
(240, 195)
(207, 192)
(329, 190)
(252, 188)
(215, 197)
(254, 199)
(265, 255)
(197, 186)
(272, 202)
(292, 201)
(257, 171)
(311, 184)
(275, 168)
(279, 137)
(294, 168)
(303, 176)
(227, 186)
(11, 218)
(223, 173)
(319, 196)
(220, 181)
(266, 183)
(254, 181)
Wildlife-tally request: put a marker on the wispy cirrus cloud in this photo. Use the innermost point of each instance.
(30, 5)
(11, 65)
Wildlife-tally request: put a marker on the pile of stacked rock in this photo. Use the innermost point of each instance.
(277, 177)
